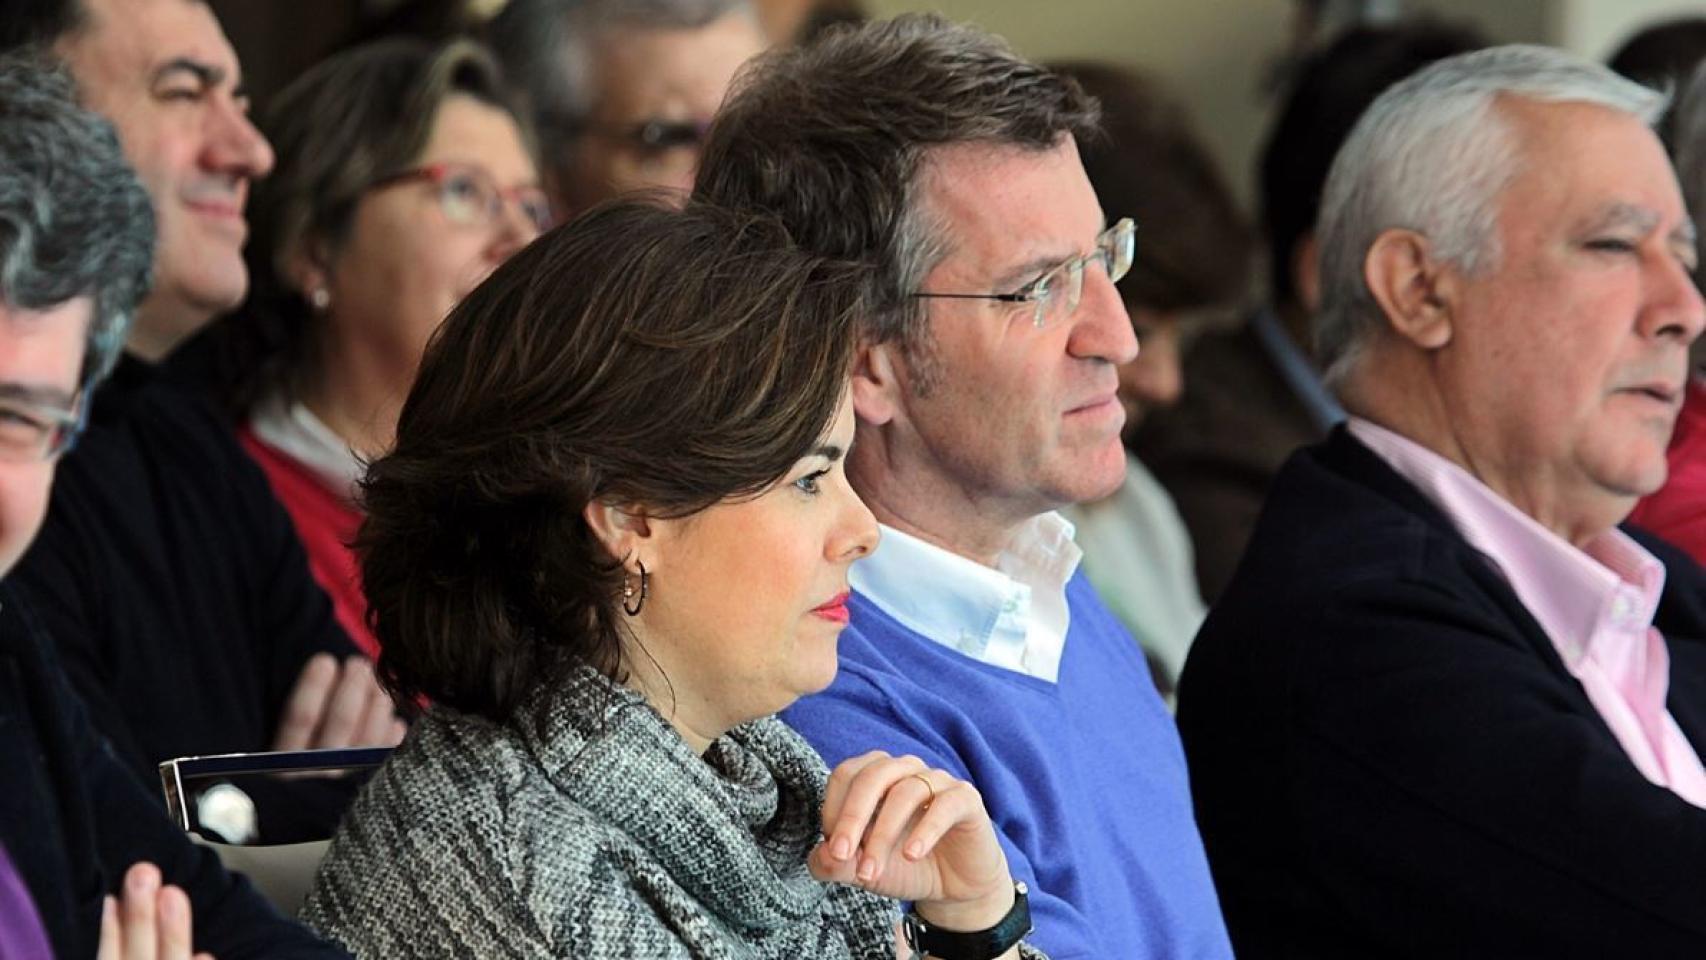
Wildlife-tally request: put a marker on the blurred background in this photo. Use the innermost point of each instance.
(1226, 58)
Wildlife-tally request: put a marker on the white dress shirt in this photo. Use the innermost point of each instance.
(1012, 615)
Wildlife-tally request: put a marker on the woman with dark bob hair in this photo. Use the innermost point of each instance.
(610, 543)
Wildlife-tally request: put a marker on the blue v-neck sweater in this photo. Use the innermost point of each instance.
(1084, 778)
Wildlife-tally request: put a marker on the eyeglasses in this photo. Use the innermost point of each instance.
(32, 430)
(470, 196)
(657, 134)
(1054, 295)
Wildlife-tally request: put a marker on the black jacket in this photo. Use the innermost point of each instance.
(1389, 759)
(73, 819)
(178, 594)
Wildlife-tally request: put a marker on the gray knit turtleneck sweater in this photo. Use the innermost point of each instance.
(594, 832)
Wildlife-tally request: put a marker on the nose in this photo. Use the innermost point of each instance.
(856, 533)
(1674, 307)
(1153, 379)
(1101, 328)
(234, 146)
(514, 230)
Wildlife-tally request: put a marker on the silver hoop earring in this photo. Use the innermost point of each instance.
(633, 601)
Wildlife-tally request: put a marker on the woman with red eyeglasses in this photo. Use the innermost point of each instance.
(404, 177)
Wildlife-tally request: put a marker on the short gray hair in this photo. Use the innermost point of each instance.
(74, 220)
(547, 48)
(1433, 155)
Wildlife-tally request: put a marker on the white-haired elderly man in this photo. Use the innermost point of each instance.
(1447, 708)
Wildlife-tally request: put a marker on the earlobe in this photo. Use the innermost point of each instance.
(1415, 292)
(309, 270)
(1306, 273)
(873, 384)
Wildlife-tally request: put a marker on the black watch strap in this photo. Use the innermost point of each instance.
(924, 938)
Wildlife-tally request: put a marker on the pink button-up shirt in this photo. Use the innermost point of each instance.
(1595, 604)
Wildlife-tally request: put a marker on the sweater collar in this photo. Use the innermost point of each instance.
(733, 827)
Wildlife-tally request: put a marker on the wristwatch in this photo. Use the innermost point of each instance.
(988, 944)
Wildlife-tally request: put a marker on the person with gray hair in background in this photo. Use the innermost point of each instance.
(89, 865)
(1447, 707)
(622, 91)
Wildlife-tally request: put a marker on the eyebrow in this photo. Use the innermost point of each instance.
(36, 394)
(828, 451)
(1644, 220)
(205, 73)
(1037, 266)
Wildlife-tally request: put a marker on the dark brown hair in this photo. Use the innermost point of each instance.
(642, 355)
(832, 136)
(1196, 250)
(358, 116)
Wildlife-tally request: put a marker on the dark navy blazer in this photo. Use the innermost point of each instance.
(1389, 759)
(73, 818)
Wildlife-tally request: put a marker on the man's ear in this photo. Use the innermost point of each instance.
(1417, 293)
(625, 531)
(1306, 273)
(875, 386)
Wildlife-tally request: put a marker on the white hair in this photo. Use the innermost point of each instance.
(1433, 155)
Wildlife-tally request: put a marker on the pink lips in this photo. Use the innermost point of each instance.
(835, 611)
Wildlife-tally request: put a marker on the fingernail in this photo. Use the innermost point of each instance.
(867, 870)
(842, 848)
(139, 881)
(169, 908)
(914, 850)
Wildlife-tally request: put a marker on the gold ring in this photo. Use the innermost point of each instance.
(925, 780)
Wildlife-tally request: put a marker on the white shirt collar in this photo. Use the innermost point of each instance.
(289, 427)
(1013, 615)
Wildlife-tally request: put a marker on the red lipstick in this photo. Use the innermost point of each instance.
(835, 611)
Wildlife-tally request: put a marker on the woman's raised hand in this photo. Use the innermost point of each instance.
(901, 829)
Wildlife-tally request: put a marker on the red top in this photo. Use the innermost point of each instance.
(1677, 512)
(326, 523)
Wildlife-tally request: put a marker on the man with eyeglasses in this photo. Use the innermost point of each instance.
(88, 861)
(622, 92)
(166, 572)
(986, 396)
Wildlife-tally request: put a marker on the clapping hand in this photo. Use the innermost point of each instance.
(338, 705)
(148, 921)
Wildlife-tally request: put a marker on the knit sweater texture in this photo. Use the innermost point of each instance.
(591, 830)
(1084, 778)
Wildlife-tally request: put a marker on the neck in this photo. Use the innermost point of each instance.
(677, 703)
(357, 392)
(158, 328)
(1409, 403)
(922, 503)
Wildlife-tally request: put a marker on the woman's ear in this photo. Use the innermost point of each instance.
(309, 269)
(625, 531)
